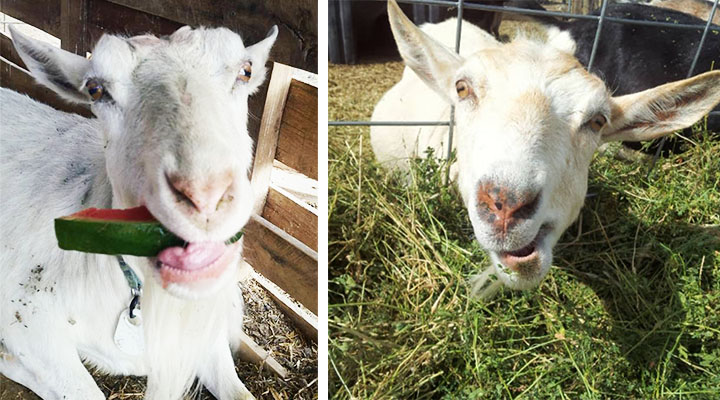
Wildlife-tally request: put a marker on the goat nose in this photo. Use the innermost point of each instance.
(204, 194)
(504, 207)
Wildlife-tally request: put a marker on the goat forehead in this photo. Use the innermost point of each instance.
(211, 50)
(538, 76)
(205, 48)
(172, 76)
(522, 59)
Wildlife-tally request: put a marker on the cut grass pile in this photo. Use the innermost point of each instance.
(630, 309)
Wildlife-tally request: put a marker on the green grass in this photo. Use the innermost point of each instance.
(630, 309)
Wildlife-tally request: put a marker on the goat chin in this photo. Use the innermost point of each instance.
(179, 333)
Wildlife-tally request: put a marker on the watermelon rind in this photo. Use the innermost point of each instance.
(142, 239)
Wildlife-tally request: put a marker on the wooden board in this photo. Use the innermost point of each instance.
(73, 28)
(42, 14)
(7, 51)
(269, 131)
(282, 259)
(291, 217)
(20, 80)
(106, 17)
(252, 352)
(298, 141)
(302, 319)
(296, 44)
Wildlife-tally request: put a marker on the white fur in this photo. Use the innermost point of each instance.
(524, 128)
(411, 100)
(177, 108)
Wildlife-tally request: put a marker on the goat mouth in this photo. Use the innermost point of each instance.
(528, 255)
(195, 262)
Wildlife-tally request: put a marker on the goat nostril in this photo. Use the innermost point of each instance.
(528, 209)
(499, 206)
(206, 195)
(178, 187)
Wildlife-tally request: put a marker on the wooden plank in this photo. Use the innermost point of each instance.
(8, 52)
(106, 17)
(291, 217)
(252, 352)
(301, 14)
(73, 32)
(346, 32)
(296, 44)
(17, 79)
(335, 51)
(42, 14)
(268, 134)
(282, 259)
(298, 142)
(302, 319)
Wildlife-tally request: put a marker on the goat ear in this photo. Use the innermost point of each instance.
(259, 53)
(59, 70)
(431, 61)
(664, 109)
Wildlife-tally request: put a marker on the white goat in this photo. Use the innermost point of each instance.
(170, 134)
(529, 118)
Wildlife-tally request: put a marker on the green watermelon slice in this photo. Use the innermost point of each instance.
(133, 231)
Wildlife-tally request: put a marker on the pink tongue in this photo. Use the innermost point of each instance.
(194, 256)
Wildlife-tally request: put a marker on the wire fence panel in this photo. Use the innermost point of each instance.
(388, 123)
(461, 6)
(596, 41)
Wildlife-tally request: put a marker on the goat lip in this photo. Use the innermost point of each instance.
(196, 261)
(516, 263)
(516, 259)
(524, 254)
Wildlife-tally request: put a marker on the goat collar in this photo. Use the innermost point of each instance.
(135, 285)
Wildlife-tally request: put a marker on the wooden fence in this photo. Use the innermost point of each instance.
(281, 241)
(79, 23)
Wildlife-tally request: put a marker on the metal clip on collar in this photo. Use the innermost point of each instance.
(135, 286)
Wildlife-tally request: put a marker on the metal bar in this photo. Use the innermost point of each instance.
(702, 39)
(451, 126)
(410, 123)
(652, 23)
(458, 30)
(596, 41)
(388, 123)
(446, 3)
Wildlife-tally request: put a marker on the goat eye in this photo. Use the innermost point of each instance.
(246, 72)
(463, 89)
(597, 122)
(95, 89)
